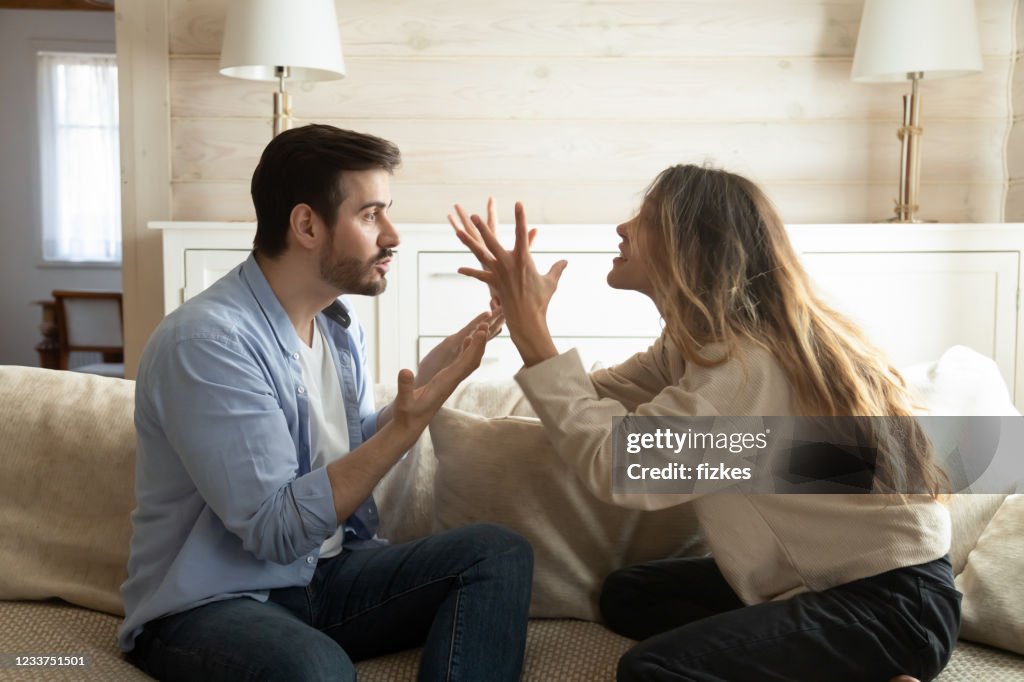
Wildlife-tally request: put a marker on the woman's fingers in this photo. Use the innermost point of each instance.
(464, 227)
(466, 222)
(467, 231)
(490, 238)
(555, 273)
(482, 275)
(455, 225)
(522, 231)
(497, 263)
(476, 246)
(492, 213)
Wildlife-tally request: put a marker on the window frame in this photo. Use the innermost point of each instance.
(88, 47)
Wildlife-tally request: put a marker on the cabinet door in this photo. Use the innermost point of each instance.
(917, 305)
(584, 304)
(203, 267)
(501, 359)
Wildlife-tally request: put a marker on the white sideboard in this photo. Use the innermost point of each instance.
(915, 289)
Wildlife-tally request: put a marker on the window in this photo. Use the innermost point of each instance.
(80, 161)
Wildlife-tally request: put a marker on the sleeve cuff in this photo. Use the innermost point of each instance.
(553, 384)
(315, 502)
(553, 371)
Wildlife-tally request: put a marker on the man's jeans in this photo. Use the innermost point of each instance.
(463, 594)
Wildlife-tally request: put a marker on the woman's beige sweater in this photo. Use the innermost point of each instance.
(767, 546)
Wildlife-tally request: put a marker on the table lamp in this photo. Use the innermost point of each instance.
(269, 40)
(912, 40)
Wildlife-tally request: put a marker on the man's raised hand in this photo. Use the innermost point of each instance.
(415, 406)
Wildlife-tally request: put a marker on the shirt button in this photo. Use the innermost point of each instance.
(295, 356)
(302, 389)
(310, 560)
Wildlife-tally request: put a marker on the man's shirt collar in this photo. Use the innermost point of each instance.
(282, 326)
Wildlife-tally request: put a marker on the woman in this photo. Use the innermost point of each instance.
(800, 587)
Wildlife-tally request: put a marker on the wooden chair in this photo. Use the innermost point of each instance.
(91, 321)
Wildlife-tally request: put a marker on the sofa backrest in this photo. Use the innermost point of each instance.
(67, 471)
(67, 454)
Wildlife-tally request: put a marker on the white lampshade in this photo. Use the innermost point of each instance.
(300, 34)
(938, 38)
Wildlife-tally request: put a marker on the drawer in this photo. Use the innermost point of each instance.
(203, 267)
(916, 305)
(501, 359)
(584, 304)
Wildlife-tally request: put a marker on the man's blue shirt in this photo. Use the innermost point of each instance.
(226, 503)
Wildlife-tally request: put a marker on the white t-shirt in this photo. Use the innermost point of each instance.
(328, 424)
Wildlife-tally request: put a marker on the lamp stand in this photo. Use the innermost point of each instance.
(282, 102)
(910, 154)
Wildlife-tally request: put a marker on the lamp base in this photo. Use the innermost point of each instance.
(282, 102)
(908, 221)
(909, 135)
(282, 112)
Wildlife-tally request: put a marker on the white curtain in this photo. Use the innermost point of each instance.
(80, 161)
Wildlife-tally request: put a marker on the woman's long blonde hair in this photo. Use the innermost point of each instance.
(723, 271)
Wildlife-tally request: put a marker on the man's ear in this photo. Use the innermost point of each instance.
(304, 227)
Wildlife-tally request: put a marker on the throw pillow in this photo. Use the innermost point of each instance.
(67, 452)
(991, 582)
(506, 471)
(961, 383)
(405, 496)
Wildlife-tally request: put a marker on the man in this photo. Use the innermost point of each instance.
(254, 553)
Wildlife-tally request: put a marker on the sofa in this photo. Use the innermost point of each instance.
(67, 449)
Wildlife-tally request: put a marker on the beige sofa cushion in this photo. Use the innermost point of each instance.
(970, 514)
(993, 581)
(67, 453)
(563, 650)
(405, 496)
(505, 470)
(961, 383)
(571, 556)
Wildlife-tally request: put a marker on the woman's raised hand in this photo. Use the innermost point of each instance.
(522, 292)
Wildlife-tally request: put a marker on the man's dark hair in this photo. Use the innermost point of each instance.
(304, 166)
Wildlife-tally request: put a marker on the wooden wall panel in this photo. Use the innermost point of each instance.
(607, 202)
(76, 5)
(1015, 202)
(1014, 206)
(829, 151)
(574, 105)
(713, 89)
(1017, 84)
(606, 28)
(1018, 21)
(1015, 151)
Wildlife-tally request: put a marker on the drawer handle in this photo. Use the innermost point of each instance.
(489, 360)
(447, 275)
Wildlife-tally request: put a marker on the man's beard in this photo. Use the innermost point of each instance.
(352, 276)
